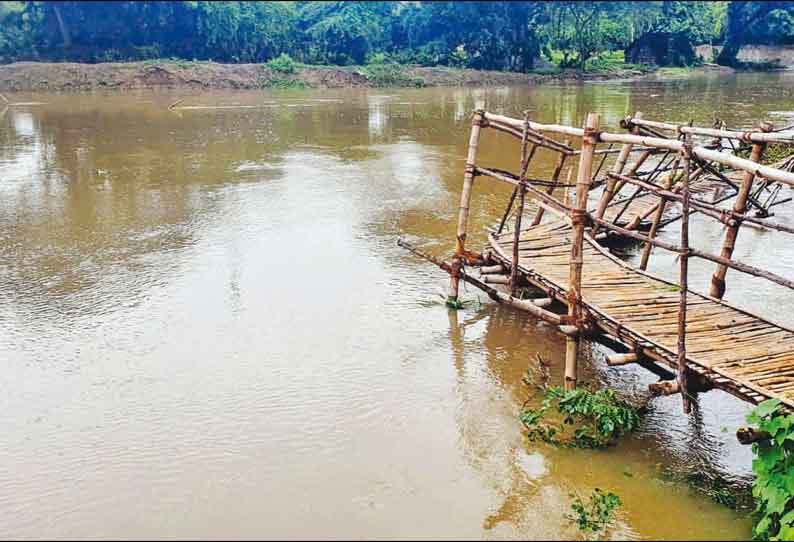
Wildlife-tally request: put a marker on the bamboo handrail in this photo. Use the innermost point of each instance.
(751, 136)
(702, 153)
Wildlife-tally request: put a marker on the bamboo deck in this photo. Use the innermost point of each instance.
(741, 353)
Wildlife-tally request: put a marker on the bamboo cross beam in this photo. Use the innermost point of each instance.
(542, 196)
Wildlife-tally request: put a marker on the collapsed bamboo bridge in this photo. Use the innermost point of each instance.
(558, 266)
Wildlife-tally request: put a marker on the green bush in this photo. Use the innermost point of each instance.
(283, 64)
(773, 466)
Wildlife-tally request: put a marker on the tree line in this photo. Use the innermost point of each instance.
(483, 35)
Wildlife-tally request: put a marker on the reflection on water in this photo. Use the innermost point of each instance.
(207, 328)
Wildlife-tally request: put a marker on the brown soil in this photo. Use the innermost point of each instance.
(36, 76)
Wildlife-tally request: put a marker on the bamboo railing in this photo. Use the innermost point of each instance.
(687, 163)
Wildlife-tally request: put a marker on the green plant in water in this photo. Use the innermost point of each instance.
(595, 515)
(581, 418)
(456, 304)
(773, 466)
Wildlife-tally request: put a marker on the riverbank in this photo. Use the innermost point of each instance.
(39, 76)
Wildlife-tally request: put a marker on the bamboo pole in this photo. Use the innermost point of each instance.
(740, 206)
(465, 202)
(555, 176)
(683, 278)
(579, 220)
(764, 136)
(520, 210)
(674, 145)
(617, 168)
(657, 218)
(515, 192)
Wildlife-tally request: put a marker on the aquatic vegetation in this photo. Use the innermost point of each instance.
(581, 418)
(597, 514)
(773, 466)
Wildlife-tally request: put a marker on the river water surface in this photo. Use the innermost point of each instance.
(207, 329)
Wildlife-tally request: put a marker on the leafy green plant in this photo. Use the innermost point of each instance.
(595, 515)
(581, 418)
(283, 64)
(773, 466)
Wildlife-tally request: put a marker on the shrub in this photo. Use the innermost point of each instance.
(773, 466)
(283, 64)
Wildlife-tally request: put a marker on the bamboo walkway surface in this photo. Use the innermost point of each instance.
(737, 351)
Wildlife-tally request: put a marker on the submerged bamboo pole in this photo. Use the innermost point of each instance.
(579, 218)
(555, 176)
(617, 168)
(465, 202)
(740, 206)
(683, 278)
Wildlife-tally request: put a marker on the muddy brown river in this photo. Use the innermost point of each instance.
(207, 329)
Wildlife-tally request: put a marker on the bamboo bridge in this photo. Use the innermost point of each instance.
(558, 267)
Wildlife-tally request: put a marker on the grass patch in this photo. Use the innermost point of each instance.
(284, 84)
(390, 75)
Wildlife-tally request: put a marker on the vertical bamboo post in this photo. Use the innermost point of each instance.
(739, 206)
(683, 278)
(465, 201)
(555, 176)
(657, 217)
(620, 163)
(522, 175)
(579, 220)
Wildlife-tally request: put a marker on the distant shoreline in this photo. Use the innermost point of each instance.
(66, 77)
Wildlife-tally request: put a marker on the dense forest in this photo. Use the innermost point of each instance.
(485, 35)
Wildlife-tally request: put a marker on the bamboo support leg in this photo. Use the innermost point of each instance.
(657, 218)
(465, 202)
(740, 206)
(683, 280)
(609, 189)
(520, 211)
(579, 219)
